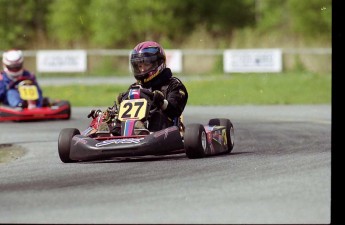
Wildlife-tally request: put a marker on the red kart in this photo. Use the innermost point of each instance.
(52, 109)
(56, 110)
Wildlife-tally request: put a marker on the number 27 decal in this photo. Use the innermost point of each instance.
(132, 109)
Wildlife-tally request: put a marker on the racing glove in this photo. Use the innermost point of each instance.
(94, 113)
(109, 114)
(159, 100)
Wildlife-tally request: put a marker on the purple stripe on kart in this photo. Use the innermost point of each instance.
(129, 126)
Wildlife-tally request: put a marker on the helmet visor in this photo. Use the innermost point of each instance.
(143, 64)
(14, 68)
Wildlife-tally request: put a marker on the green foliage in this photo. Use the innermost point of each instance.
(311, 18)
(308, 18)
(227, 16)
(108, 22)
(122, 24)
(68, 21)
(272, 15)
(16, 18)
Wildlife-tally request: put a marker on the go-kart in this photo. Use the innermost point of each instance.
(50, 110)
(99, 141)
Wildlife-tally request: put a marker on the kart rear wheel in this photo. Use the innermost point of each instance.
(64, 143)
(62, 103)
(195, 141)
(69, 109)
(230, 135)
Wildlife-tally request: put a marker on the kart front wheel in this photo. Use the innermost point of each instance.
(230, 135)
(195, 141)
(64, 143)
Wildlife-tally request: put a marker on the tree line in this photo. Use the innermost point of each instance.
(120, 23)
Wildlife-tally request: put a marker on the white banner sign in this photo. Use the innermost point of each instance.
(61, 61)
(174, 60)
(253, 60)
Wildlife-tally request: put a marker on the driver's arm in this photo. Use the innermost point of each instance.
(177, 97)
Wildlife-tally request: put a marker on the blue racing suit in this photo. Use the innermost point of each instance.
(9, 94)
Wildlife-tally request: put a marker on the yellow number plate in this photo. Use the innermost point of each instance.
(133, 109)
(28, 92)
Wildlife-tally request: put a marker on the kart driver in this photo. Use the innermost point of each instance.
(148, 64)
(13, 73)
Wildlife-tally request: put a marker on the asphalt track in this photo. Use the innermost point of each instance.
(278, 172)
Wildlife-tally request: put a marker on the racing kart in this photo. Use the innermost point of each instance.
(51, 108)
(99, 141)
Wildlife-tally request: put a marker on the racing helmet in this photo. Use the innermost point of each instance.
(148, 60)
(13, 63)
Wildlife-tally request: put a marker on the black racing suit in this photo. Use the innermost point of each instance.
(174, 92)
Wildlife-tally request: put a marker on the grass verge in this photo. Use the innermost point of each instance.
(234, 89)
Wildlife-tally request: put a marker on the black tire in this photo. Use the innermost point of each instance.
(69, 109)
(229, 130)
(195, 141)
(60, 103)
(45, 102)
(64, 143)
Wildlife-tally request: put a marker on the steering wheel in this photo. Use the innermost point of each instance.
(149, 94)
